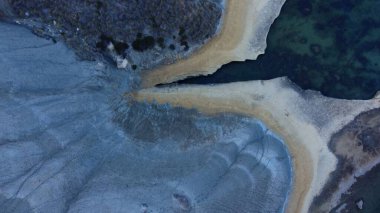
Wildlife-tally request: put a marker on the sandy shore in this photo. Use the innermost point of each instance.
(243, 36)
(305, 120)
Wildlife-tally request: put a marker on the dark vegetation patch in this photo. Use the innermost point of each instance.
(183, 38)
(161, 42)
(145, 43)
(119, 46)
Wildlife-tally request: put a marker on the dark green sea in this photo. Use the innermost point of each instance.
(329, 46)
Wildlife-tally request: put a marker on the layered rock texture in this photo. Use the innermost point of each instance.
(71, 142)
(357, 148)
(305, 119)
(81, 136)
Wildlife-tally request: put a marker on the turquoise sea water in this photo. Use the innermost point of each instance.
(329, 46)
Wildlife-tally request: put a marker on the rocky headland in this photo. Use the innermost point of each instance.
(79, 133)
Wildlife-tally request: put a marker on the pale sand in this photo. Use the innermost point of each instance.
(243, 36)
(305, 120)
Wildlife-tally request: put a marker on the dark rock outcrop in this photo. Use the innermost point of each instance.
(132, 26)
(357, 147)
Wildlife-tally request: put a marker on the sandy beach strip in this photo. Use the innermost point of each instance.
(242, 36)
(305, 122)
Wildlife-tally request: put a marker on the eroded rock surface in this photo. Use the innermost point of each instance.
(70, 142)
(357, 148)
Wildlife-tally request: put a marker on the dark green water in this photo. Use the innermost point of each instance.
(330, 46)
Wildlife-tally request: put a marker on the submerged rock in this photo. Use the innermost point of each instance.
(359, 204)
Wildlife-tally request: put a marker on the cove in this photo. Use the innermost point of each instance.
(329, 46)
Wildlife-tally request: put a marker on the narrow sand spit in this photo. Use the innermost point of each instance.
(243, 36)
(305, 120)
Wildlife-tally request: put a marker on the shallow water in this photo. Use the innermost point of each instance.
(328, 46)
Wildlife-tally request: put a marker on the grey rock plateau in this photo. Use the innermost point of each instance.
(71, 142)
